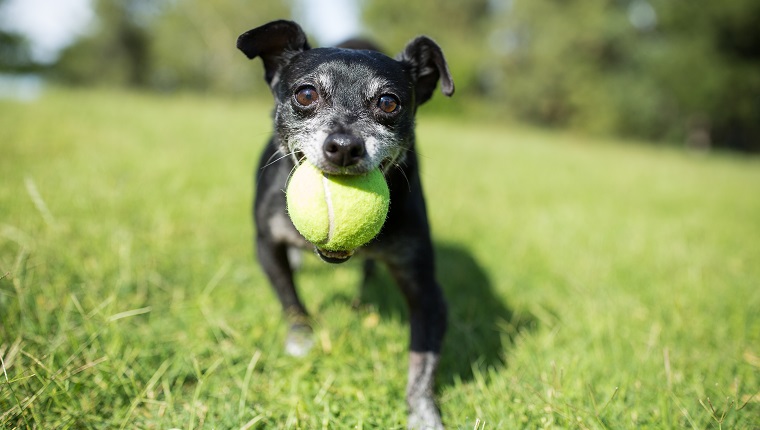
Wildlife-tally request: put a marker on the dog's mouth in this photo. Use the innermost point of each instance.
(334, 257)
(362, 169)
(342, 171)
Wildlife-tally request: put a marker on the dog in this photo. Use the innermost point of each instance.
(350, 111)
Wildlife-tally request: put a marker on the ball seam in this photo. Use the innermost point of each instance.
(330, 213)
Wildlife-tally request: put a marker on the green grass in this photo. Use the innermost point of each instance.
(592, 284)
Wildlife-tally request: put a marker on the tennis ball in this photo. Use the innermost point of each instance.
(337, 212)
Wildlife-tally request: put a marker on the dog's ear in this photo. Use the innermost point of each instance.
(274, 42)
(427, 64)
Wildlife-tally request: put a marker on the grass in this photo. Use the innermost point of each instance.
(592, 284)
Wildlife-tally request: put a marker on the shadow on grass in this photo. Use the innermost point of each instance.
(481, 325)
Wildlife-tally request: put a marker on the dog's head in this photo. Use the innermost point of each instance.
(347, 111)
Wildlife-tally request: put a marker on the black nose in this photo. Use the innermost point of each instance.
(343, 150)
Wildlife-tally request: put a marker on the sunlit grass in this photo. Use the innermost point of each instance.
(592, 284)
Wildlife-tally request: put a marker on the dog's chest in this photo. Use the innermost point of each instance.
(282, 230)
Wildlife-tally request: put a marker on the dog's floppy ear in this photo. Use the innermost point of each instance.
(428, 65)
(274, 43)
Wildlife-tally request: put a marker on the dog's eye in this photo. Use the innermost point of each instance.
(387, 103)
(306, 96)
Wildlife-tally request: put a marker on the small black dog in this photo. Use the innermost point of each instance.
(349, 111)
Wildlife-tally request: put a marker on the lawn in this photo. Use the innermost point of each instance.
(592, 283)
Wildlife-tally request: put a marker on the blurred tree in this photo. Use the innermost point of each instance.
(15, 55)
(458, 26)
(658, 69)
(117, 51)
(194, 44)
(650, 68)
(168, 44)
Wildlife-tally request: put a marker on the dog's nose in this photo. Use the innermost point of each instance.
(343, 150)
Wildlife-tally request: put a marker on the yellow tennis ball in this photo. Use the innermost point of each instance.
(337, 212)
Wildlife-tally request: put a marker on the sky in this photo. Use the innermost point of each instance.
(52, 25)
(329, 21)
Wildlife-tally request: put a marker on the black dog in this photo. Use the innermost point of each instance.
(350, 111)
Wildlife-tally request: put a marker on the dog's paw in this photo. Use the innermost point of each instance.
(424, 415)
(300, 340)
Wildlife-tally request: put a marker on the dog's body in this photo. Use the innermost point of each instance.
(349, 112)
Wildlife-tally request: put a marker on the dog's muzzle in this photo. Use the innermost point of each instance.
(343, 150)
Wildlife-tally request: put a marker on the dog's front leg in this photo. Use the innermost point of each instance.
(427, 318)
(273, 257)
(423, 413)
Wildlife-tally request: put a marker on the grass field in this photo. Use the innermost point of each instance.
(592, 284)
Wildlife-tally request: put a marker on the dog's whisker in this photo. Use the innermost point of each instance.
(296, 159)
(298, 163)
(401, 169)
(404, 149)
(401, 147)
(270, 161)
(293, 170)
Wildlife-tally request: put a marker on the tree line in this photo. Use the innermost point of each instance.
(662, 70)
